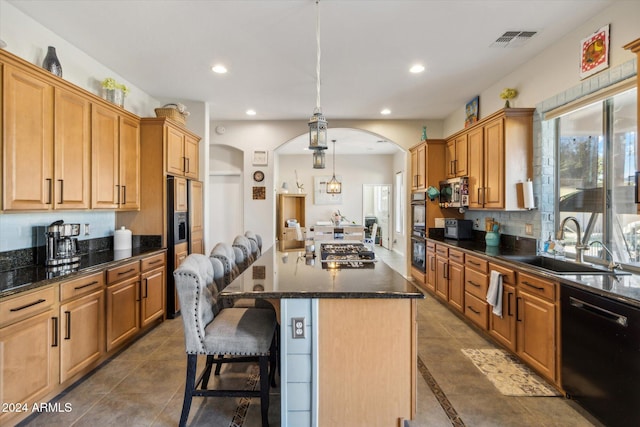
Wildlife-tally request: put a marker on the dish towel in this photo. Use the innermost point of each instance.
(494, 293)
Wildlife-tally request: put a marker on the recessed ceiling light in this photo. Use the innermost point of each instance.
(251, 112)
(219, 69)
(418, 68)
(385, 112)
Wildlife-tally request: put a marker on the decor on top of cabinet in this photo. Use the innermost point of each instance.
(508, 94)
(114, 92)
(471, 111)
(51, 62)
(177, 112)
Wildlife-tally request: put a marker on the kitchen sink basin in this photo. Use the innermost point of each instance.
(562, 267)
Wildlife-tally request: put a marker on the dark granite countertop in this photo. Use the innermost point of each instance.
(30, 277)
(291, 275)
(625, 288)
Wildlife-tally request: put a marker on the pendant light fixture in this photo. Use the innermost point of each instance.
(318, 123)
(334, 186)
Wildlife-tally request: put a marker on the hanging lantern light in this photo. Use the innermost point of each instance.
(318, 123)
(334, 186)
(318, 159)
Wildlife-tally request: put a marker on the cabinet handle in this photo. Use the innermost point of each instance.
(67, 314)
(518, 310)
(184, 164)
(471, 282)
(472, 309)
(85, 285)
(61, 181)
(118, 194)
(455, 166)
(55, 332)
(156, 261)
(445, 272)
(124, 194)
(31, 304)
(146, 288)
(539, 288)
(188, 170)
(509, 295)
(120, 273)
(49, 188)
(473, 263)
(433, 264)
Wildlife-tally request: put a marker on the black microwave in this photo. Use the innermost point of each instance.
(459, 229)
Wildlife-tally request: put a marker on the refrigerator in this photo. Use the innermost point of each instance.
(177, 235)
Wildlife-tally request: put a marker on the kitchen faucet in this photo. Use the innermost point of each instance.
(580, 246)
(612, 263)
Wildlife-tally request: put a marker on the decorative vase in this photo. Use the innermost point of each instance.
(506, 104)
(51, 62)
(115, 96)
(492, 238)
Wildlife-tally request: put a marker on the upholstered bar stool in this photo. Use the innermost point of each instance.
(225, 336)
(244, 254)
(256, 241)
(226, 254)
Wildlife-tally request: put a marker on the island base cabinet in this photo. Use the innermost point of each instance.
(367, 374)
(536, 333)
(122, 312)
(29, 358)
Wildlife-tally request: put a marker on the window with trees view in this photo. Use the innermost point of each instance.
(597, 148)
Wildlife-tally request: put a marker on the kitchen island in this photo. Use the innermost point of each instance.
(354, 359)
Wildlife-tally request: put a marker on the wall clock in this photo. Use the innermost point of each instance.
(258, 176)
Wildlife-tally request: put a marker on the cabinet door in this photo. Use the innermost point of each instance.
(181, 253)
(431, 271)
(196, 221)
(536, 333)
(123, 301)
(129, 164)
(28, 141)
(105, 158)
(192, 168)
(422, 167)
(442, 277)
(72, 179)
(450, 158)
(414, 169)
(175, 151)
(461, 155)
(494, 165)
(475, 167)
(28, 362)
(456, 286)
(81, 333)
(503, 329)
(180, 196)
(152, 302)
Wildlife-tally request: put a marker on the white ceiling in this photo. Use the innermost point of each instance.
(167, 48)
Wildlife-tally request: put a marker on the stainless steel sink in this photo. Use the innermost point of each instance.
(562, 267)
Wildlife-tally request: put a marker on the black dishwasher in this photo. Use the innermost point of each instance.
(601, 356)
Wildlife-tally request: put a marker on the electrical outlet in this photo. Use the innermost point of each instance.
(528, 229)
(297, 326)
(476, 224)
(87, 230)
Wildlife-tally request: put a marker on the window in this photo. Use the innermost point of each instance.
(597, 148)
(398, 213)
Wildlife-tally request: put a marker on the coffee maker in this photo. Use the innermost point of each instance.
(62, 245)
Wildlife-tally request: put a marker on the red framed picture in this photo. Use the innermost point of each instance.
(594, 52)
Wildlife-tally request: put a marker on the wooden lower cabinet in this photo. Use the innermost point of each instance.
(431, 266)
(152, 302)
(456, 279)
(29, 358)
(81, 333)
(503, 329)
(122, 311)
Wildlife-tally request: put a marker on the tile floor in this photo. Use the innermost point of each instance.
(143, 385)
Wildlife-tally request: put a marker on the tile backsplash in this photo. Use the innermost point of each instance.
(17, 230)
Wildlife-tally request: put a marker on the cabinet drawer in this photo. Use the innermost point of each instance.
(123, 272)
(456, 256)
(508, 275)
(477, 310)
(442, 250)
(431, 246)
(476, 283)
(26, 305)
(81, 286)
(476, 263)
(152, 262)
(537, 286)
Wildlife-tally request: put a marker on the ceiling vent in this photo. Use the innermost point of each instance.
(513, 39)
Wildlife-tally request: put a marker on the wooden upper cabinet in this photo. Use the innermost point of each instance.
(418, 167)
(456, 156)
(129, 164)
(28, 141)
(196, 222)
(494, 165)
(182, 152)
(105, 158)
(72, 158)
(475, 144)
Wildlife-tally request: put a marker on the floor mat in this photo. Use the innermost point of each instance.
(510, 377)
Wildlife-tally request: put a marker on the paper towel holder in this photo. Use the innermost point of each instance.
(526, 198)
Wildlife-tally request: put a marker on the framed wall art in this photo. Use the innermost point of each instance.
(259, 193)
(320, 195)
(594, 53)
(471, 111)
(260, 158)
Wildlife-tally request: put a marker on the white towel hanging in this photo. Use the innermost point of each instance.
(494, 293)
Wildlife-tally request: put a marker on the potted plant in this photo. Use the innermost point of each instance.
(113, 91)
(507, 94)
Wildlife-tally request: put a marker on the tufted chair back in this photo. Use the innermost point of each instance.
(227, 256)
(244, 257)
(198, 299)
(256, 242)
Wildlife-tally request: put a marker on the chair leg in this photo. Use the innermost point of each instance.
(273, 355)
(192, 360)
(207, 372)
(218, 364)
(264, 390)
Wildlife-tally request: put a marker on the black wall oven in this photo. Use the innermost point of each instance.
(418, 253)
(418, 231)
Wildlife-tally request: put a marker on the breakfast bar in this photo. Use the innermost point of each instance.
(348, 337)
